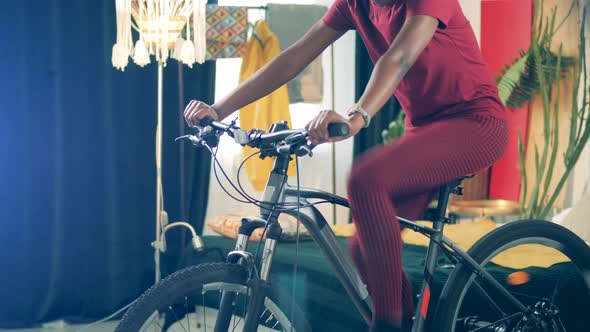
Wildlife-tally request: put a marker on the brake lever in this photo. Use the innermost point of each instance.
(183, 138)
(192, 138)
(301, 149)
(304, 150)
(203, 136)
(239, 135)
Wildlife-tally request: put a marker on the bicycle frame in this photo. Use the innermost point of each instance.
(277, 190)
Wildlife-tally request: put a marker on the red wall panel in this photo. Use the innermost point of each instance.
(506, 29)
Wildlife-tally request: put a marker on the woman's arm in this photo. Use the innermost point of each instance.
(416, 33)
(386, 76)
(272, 76)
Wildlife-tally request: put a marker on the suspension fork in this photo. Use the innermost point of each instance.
(239, 255)
(259, 288)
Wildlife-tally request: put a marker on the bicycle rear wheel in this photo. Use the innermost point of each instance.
(188, 300)
(466, 304)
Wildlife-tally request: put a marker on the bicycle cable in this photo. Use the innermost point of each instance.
(495, 324)
(238, 176)
(113, 315)
(284, 207)
(295, 205)
(293, 292)
(216, 164)
(247, 199)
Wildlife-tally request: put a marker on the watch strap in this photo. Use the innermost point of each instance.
(356, 108)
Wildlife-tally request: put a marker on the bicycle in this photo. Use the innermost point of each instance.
(238, 294)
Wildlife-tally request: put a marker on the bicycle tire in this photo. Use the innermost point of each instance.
(194, 280)
(501, 239)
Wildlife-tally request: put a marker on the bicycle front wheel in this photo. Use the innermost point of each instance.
(189, 300)
(556, 298)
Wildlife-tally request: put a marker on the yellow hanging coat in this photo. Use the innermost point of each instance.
(266, 111)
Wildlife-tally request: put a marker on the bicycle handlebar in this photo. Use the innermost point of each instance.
(257, 138)
(210, 121)
(280, 140)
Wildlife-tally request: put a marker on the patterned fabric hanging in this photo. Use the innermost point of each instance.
(227, 32)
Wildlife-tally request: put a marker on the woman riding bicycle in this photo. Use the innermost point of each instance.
(426, 54)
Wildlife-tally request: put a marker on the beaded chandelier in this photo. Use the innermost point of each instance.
(160, 25)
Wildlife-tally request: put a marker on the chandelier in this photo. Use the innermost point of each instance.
(160, 25)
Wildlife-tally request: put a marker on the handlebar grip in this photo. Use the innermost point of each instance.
(206, 121)
(337, 129)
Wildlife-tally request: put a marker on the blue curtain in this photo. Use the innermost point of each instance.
(77, 175)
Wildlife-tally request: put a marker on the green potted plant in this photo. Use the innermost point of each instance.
(395, 130)
(524, 79)
(520, 82)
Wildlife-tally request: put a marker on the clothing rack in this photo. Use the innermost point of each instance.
(258, 7)
(255, 35)
(251, 26)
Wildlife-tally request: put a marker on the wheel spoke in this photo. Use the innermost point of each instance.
(560, 324)
(188, 322)
(160, 326)
(176, 317)
(243, 312)
(555, 290)
(494, 306)
(496, 322)
(270, 318)
(264, 312)
(528, 296)
(237, 323)
(233, 321)
(204, 308)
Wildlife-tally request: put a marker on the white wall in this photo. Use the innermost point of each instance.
(472, 9)
(344, 77)
(580, 180)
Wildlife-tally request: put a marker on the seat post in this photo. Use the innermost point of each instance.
(444, 193)
(443, 201)
(432, 256)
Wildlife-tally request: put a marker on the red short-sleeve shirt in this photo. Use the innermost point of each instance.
(449, 76)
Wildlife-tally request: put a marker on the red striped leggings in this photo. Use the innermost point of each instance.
(400, 179)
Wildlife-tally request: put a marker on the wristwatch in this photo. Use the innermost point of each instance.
(356, 108)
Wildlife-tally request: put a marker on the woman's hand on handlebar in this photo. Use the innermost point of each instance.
(196, 110)
(318, 127)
